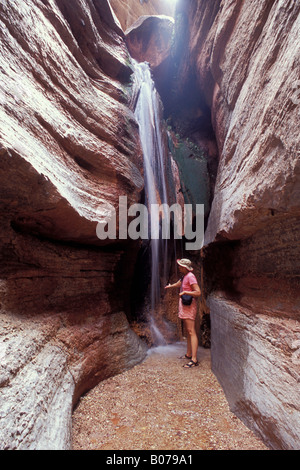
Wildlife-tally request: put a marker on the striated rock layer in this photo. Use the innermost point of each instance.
(69, 149)
(245, 57)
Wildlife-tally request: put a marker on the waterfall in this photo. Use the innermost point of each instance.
(147, 113)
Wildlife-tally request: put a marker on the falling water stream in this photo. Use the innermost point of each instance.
(147, 113)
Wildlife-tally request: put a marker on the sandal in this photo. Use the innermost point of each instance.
(185, 357)
(191, 364)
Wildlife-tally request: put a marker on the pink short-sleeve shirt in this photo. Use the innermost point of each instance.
(188, 280)
(188, 311)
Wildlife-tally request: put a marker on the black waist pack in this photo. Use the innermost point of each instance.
(186, 299)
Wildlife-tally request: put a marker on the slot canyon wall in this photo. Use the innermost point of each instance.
(244, 57)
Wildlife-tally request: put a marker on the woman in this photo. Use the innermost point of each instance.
(188, 286)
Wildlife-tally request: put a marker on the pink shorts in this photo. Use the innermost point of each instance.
(187, 312)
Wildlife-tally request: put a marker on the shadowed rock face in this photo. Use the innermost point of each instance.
(69, 147)
(245, 59)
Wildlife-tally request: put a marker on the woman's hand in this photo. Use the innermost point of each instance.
(194, 293)
(171, 286)
(185, 293)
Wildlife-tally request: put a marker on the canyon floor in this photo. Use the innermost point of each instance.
(160, 405)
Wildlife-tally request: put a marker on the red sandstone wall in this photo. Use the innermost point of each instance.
(245, 56)
(69, 145)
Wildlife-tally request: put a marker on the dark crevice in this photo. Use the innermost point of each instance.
(217, 268)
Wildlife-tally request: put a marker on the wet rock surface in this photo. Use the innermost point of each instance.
(160, 405)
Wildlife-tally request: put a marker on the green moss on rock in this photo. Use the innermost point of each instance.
(193, 170)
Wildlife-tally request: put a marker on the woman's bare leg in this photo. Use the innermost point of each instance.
(189, 345)
(192, 339)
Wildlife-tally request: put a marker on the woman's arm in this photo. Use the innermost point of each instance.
(171, 286)
(196, 292)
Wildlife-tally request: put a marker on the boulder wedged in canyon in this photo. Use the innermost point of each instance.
(69, 149)
(149, 39)
(130, 11)
(244, 56)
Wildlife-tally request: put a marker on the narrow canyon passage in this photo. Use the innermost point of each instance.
(160, 405)
(111, 112)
